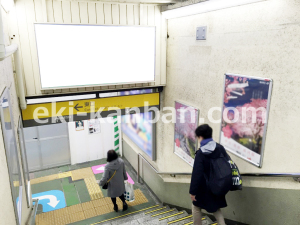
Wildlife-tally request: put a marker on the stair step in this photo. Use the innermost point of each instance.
(156, 210)
(180, 219)
(118, 219)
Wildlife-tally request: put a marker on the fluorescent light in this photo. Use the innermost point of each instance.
(203, 7)
(7, 5)
(60, 99)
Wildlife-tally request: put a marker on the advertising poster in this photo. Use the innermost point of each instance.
(94, 126)
(140, 130)
(185, 143)
(136, 92)
(79, 125)
(244, 121)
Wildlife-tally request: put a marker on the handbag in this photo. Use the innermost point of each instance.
(237, 182)
(129, 192)
(105, 186)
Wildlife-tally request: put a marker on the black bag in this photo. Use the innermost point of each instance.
(220, 177)
(105, 186)
(236, 176)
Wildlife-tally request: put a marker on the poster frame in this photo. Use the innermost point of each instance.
(197, 124)
(266, 123)
(153, 154)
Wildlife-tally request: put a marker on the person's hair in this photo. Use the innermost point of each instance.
(204, 131)
(111, 155)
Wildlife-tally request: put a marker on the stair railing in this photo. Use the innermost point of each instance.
(295, 176)
(173, 174)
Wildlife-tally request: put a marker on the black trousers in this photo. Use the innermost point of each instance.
(114, 200)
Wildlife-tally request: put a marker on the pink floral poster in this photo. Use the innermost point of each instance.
(244, 120)
(185, 143)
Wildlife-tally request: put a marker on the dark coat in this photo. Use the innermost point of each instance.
(116, 186)
(205, 199)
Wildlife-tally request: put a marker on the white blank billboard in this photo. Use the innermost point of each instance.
(84, 55)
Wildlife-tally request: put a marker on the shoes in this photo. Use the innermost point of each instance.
(116, 208)
(125, 206)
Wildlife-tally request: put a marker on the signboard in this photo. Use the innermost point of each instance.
(68, 111)
(245, 110)
(141, 130)
(185, 143)
(105, 59)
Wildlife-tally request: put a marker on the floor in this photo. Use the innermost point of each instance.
(78, 198)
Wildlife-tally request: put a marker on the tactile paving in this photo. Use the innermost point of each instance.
(74, 217)
(62, 220)
(75, 208)
(87, 206)
(65, 174)
(99, 202)
(82, 174)
(104, 209)
(93, 188)
(89, 213)
(44, 179)
(86, 210)
(61, 212)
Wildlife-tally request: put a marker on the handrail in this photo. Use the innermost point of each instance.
(295, 176)
(156, 171)
(31, 219)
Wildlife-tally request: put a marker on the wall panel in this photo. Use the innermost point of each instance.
(83, 11)
(92, 13)
(100, 13)
(66, 12)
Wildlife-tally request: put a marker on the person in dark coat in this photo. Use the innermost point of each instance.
(116, 186)
(200, 194)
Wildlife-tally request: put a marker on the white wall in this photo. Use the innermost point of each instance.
(86, 147)
(260, 39)
(7, 213)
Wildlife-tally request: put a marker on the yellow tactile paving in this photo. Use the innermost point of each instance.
(99, 202)
(44, 179)
(89, 213)
(104, 209)
(75, 208)
(93, 188)
(78, 216)
(63, 220)
(87, 206)
(65, 174)
(61, 212)
(82, 173)
(85, 210)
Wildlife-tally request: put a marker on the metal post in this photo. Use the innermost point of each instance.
(138, 169)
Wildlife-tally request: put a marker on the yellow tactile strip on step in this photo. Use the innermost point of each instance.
(85, 210)
(82, 173)
(93, 188)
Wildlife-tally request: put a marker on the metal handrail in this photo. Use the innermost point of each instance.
(156, 171)
(296, 176)
(271, 174)
(31, 219)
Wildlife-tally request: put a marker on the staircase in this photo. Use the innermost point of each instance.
(157, 214)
